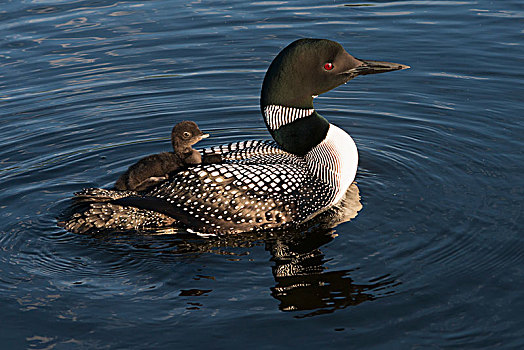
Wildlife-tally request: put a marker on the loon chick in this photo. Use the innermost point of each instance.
(155, 168)
(261, 185)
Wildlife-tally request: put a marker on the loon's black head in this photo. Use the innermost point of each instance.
(185, 134)
(310, 67)
(302, 70)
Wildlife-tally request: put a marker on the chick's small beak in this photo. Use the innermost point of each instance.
(204, 136)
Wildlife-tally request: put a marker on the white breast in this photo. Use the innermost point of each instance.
(335, 161)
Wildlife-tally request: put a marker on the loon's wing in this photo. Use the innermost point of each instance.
(245, 150)
(238, 197)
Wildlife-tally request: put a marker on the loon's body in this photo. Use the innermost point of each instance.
(155, 168)
(259, 185)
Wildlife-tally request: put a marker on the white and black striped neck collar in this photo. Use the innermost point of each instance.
(277, 116)
(296, 130)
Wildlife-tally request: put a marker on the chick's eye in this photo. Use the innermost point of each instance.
(328, 66)
(186, 134)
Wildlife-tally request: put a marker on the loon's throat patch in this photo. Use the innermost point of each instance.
(277, 116)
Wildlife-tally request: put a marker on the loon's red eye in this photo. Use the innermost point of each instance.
(328, 66)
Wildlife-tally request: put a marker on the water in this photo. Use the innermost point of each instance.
(434, 259)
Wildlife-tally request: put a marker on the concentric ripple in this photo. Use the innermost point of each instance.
(433, 258)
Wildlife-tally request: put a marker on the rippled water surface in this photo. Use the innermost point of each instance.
(434, 258)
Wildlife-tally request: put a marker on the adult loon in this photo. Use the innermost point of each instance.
(152, 169)
(260, 185)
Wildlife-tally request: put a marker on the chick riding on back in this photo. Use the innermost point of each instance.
(155, 168)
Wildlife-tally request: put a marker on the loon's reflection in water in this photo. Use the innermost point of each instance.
(302, 281)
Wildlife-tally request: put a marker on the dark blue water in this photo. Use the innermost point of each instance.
(434, 259)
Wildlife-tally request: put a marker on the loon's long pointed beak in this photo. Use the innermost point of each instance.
(374, 67)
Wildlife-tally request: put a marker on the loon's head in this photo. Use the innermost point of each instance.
(185, 134)
(310, 67)
(305, 69)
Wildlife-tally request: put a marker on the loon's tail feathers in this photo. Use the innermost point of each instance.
(102, 216)
(95, 210)
(98, 195)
